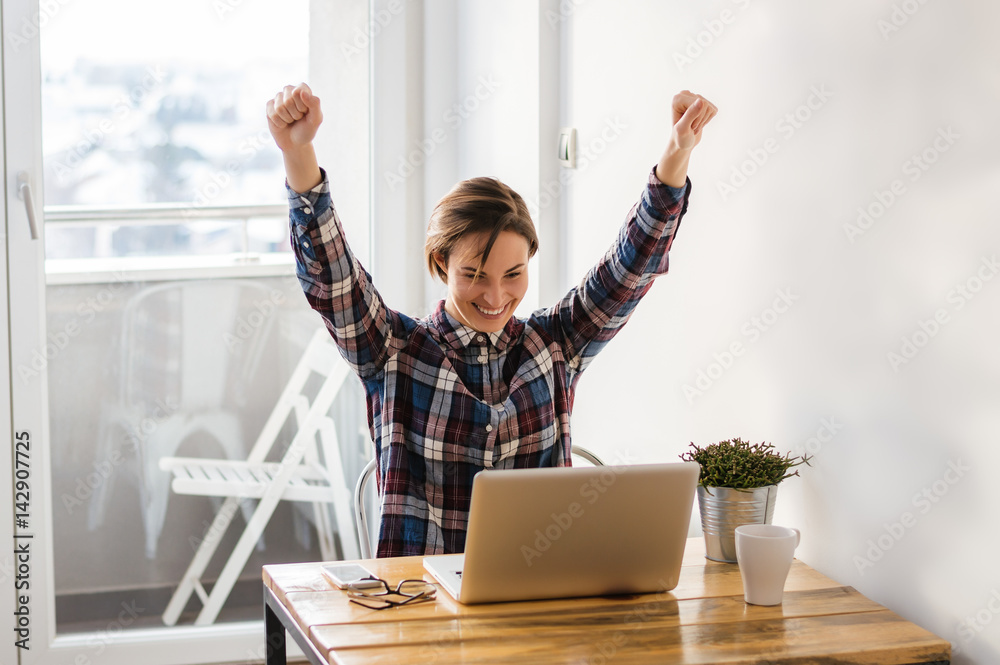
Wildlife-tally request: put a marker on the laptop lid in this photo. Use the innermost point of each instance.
(567, 532)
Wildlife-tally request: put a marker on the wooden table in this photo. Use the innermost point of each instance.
(703, 620)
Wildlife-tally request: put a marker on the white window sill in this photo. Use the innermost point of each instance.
(167, 268)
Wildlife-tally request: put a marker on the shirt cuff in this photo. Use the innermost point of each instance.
(303, 206)
(664, 201)
(676, 193)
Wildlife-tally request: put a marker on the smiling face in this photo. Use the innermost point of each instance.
(485, 302)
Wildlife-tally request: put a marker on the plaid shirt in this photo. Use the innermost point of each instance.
(445, 401)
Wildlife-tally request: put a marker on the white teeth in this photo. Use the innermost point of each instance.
(489, 312)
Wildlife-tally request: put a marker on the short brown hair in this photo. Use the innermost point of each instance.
(474, 206)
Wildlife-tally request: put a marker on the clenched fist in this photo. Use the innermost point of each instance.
(293, 117)
(691, 112)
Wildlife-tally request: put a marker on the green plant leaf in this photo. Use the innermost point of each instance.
(738, 464)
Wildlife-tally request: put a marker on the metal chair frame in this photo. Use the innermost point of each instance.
(361, 511)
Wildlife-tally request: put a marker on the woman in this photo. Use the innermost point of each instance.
(470, 387)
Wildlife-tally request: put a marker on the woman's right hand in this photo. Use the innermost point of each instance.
(294, 116)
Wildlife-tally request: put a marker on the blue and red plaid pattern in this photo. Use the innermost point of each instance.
(445, 401)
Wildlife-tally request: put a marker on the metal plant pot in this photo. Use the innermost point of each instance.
(724, 508)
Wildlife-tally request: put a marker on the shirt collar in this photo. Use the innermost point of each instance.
(461, 336)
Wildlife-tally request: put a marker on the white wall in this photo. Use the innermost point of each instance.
(500, 103)
(833, 101)
(817, 377)
(340, 38)
(461, 89)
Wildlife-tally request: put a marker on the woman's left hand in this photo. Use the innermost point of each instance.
(691, 113)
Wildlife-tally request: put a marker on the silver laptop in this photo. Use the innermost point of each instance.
(568, 532)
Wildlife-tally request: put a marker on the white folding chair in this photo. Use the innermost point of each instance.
(365, 535)
(299, 476)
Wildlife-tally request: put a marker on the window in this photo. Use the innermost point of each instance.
(154, 141)
(157, 162)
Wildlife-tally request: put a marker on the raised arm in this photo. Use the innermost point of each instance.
(334, 282)
(595, 310)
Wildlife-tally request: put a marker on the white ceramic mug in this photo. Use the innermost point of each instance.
(765, 553)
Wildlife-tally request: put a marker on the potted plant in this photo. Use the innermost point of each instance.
(738, 485)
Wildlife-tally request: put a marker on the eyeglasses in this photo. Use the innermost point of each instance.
(377, 594)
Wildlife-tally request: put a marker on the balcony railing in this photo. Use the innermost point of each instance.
(213, 248)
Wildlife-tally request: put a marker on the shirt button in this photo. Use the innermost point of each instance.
(307, 211)
(479, 339)
(481, 359)
(489, 428)
(305, 243)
